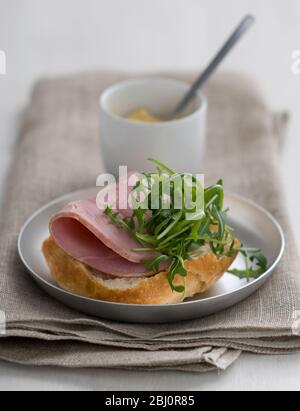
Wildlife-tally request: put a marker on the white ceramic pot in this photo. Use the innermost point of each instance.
(180, 144)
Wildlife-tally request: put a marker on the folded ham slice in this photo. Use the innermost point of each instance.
(84, 232)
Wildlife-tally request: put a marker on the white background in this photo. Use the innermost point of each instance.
(50, 37)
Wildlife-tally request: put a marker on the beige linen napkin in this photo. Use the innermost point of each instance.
(58, 152)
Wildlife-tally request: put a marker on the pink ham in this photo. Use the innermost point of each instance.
(84, 232)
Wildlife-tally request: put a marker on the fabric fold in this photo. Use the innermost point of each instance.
(57, 153)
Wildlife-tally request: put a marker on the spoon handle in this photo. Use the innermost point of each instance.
(245, 24)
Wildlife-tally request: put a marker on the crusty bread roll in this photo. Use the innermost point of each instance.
(77, 278)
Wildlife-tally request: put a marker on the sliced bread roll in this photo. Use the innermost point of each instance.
(78, 278)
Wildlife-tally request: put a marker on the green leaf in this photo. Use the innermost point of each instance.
(260, 261)
(173, 237)
(179, 289)
(260, 265)
(161, 166)
(248, 274)
(156, 262)
(220, 221)
(146, 238)
(172, 225)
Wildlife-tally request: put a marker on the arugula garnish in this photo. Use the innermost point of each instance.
(259, 264)
(174, 237)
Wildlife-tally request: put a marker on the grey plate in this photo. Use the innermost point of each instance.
(253, 225)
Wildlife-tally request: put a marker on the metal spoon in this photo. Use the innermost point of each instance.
(245, 24)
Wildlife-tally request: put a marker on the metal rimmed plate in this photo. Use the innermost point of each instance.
(254, 226)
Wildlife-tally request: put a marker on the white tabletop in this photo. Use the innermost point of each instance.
(58, 36)
(249, 373)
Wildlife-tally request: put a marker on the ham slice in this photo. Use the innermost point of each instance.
(84, 232)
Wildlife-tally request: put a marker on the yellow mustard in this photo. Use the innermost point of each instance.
(143, 116)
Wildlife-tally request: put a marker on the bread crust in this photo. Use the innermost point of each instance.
(77, 278)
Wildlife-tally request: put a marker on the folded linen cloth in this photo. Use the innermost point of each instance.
(57, 153)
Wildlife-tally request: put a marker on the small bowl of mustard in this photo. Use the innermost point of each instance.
(133, 128)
